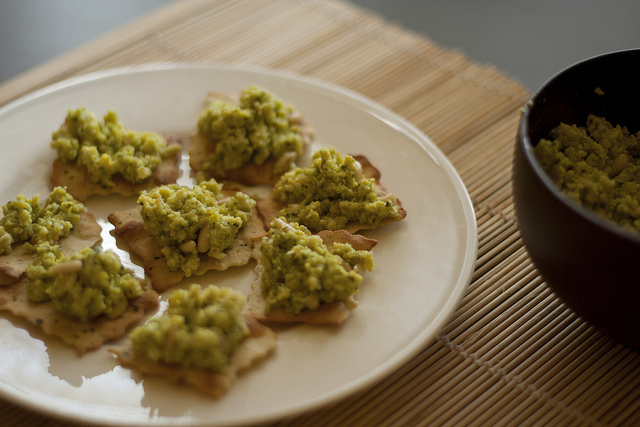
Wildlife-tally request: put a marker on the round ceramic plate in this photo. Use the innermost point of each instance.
(422, 264)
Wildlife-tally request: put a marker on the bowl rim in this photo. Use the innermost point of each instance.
(527, 148)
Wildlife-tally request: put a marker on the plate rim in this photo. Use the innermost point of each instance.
(412, 349)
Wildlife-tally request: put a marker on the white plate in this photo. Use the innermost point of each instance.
(423, 264)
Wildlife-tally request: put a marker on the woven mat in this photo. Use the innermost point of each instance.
(512, 354)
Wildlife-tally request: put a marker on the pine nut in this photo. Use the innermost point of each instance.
(619, 163)
(295, 118)
(204, 242)
(389, 197)
(279, 223)
(66, 267)
(188, 246)
(358, 176)
(285, 162)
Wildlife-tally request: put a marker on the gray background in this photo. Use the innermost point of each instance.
(527, 40)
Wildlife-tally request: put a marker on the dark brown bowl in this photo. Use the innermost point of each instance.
(590, 263)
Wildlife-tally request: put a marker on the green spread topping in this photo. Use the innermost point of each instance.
(25, 220)
(300, 272)
(598, 166)
(86, 285)
(201, 327)
(107, 148)
(262, 126)
(191, 221)
(331, 193)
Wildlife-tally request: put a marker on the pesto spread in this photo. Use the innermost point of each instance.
(598, 166)
(107, 148)
(261, 127)
(85, 285)
(331, 193)
(191, 221)
(25, 220)
(201, 328)
(300, 272)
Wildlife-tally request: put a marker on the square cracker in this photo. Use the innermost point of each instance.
(260, 342)
(84, 336)
(251, 173)
(85, 233)
(269, 208)
(129, 226)
(79, 184)
(327, 313)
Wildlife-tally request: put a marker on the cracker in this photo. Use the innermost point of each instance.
(269, 208)
(85, 233)
(258, 345)
(84, 336)
(328, 313)
(251, 173)
(79, 185)
(129, 226)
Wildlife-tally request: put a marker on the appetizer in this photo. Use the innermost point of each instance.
(251, 140)
(202, 339)
(105, 158)
(86, 299)
(308, 278)
(177, 231)
(335, 192)
(27, 222)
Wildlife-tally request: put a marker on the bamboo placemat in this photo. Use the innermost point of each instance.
(512, 353)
